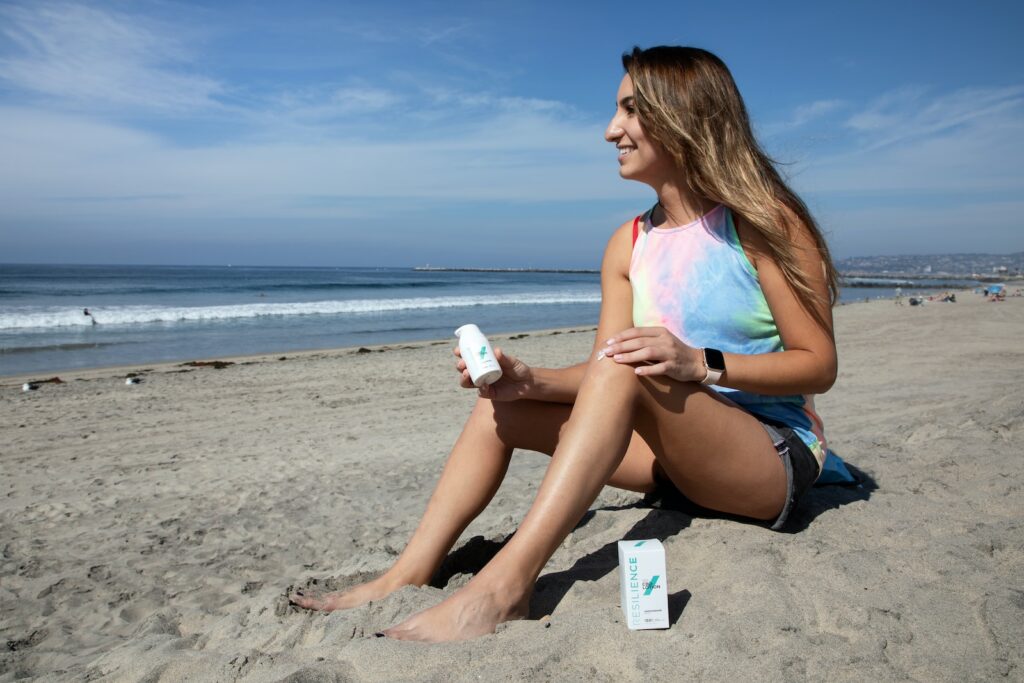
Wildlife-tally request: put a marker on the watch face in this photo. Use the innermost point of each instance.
(714, 359)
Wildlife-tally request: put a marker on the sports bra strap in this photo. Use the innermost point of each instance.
(636, 228)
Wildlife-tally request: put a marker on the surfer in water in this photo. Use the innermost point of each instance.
(85, 312)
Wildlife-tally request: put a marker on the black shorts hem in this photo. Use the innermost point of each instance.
(801, 469)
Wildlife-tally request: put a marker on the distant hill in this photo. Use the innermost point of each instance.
(986, 265)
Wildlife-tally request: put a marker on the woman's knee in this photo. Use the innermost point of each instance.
(652, 394)
(526, 424)
(605, 370)
(502, 418)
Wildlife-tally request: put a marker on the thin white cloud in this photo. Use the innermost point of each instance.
(100, 59)
(964, 162)
(446, 98)
(404, 28)
(429, 35)
(910, 113)
(815, 110)
(802, 115)
(364, 99)
(314, 106)
(969, 140)
(367, 31)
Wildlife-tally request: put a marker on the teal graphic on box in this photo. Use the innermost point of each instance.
(643, 585)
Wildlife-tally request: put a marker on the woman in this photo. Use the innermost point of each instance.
(715, 328)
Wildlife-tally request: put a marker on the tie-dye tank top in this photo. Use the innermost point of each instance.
(696, 281)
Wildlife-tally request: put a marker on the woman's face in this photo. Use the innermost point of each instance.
(640, 158)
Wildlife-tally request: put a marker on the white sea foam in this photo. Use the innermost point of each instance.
(142, 315)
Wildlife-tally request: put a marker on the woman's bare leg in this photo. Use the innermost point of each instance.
(719, 455)
(471, 476)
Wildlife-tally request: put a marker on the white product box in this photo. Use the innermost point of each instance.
(643, 586)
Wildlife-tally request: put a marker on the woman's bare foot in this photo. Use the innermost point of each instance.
(474, 610)
(377, 589)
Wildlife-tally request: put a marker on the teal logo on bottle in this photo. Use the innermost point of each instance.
(483, 352)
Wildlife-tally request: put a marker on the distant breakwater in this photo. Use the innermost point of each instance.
(894, 276)
(444, 269)
(904, 284)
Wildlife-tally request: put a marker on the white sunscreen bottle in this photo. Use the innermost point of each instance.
(479, 356)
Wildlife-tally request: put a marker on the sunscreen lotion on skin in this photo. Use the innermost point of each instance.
(642, 585)
(479, 356)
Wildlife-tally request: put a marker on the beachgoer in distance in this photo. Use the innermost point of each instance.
(729, 258)
(85, 312)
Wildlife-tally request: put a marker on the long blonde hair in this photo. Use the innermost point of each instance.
(687, 101)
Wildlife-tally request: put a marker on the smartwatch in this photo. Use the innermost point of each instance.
(714, 365)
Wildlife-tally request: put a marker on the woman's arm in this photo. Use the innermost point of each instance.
(518, 380)
(809, 363)
(557, 385)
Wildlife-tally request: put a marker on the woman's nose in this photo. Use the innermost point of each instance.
(613, 132)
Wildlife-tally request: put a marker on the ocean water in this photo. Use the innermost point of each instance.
(149, 314)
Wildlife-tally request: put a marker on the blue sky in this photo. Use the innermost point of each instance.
(451, 133)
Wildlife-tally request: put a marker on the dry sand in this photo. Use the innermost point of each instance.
(150, 532)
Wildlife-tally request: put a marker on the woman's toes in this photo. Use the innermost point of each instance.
(298, 599)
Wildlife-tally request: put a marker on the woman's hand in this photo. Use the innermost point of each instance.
(515, 383)
(658, 351)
